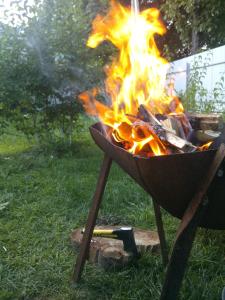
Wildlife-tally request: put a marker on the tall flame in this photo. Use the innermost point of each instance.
(137, 76)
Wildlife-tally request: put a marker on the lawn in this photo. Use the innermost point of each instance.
(47, 194)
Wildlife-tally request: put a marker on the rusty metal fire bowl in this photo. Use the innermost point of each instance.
(171, 180)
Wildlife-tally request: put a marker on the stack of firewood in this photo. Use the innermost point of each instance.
(178, 132)
(206, 127)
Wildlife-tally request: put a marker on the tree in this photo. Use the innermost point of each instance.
(192, 25)
(198, 23)
(45, 64)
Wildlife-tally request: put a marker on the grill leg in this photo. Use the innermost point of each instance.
(186, 232)
(93, 213)
(179, 258)
(161, 233)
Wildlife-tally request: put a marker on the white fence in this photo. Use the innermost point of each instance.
(211, 64)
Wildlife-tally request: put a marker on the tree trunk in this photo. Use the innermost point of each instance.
(195, 37)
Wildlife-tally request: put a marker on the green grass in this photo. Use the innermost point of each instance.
(47, 195)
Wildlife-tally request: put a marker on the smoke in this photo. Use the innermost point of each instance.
(36, 44)
(60, 71)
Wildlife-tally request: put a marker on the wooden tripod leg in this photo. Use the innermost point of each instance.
(93, 213)
(186, 232)
(161, 233)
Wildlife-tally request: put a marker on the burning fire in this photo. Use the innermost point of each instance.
(136, 77)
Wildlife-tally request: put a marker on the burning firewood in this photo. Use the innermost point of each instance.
(136, 77)
(164, 133)
(172, 123)
(183, 124)
(145, 115)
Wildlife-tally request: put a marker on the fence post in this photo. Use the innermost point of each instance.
(188, 71)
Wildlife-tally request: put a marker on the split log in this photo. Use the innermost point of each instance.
(185, 124)
(107, 252)
(200, 121)
(164, 133)
(173, 124)
(218, 141)
(207, 135)
(145, 115)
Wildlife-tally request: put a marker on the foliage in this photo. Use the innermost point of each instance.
(45, 65)
(196, 97)
(206, 19)
(189, 22)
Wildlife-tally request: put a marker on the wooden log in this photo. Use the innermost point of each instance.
(164, 133)
(185, 124)
(173, 124)
(145, 115)
(218, 141)
(200, 121)
(207, 135)
(107, 252)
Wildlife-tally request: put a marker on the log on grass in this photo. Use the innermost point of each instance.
(107, 252)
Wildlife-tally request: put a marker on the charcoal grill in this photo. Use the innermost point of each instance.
(190, 186)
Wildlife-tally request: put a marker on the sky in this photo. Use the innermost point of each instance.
(9, 9)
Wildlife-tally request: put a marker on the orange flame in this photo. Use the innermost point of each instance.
(205, 146)
(137, 76)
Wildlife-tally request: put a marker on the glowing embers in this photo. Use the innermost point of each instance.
(139, 138)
